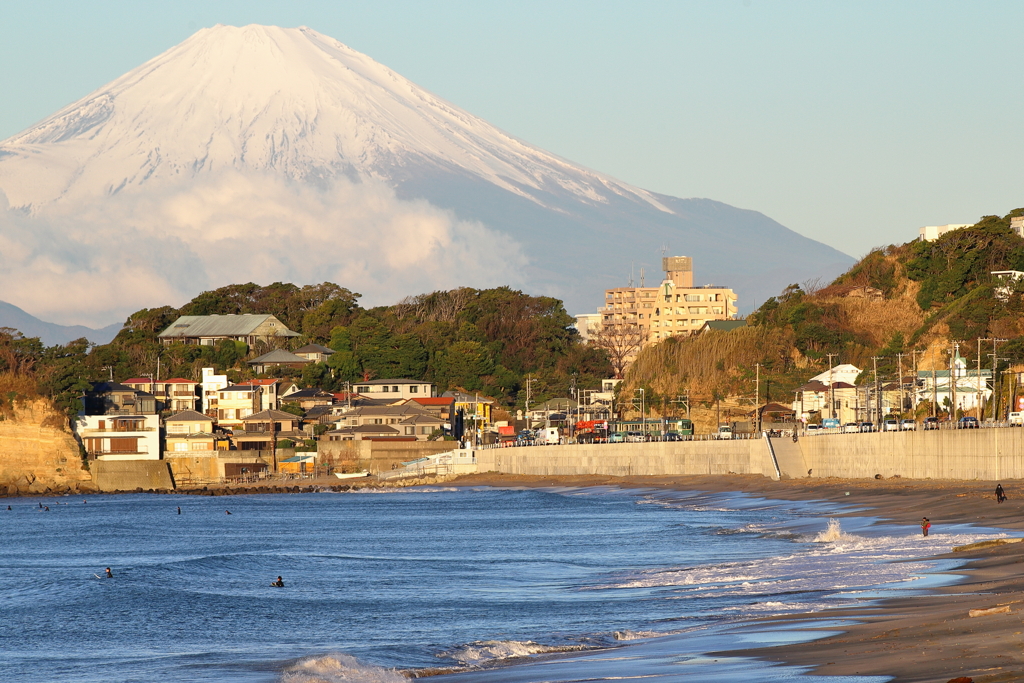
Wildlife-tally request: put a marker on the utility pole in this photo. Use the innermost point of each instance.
(757, 398)
(899, 366)
(935, 393)
(831, 391)
(878, 398)
(952, 381)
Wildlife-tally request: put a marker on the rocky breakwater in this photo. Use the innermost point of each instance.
(38, 452)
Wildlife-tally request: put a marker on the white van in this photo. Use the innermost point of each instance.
(724, 432)
(547, 436)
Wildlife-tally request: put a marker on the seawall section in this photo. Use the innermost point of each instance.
(986, 454)
(746, 456)
(982, 454)
(128, 475)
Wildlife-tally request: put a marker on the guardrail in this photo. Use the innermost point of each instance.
(919, 427)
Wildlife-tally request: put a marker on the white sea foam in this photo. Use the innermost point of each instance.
(832, 561)
(832, 533)
(338, 668)
(638, 635)
(484, 651)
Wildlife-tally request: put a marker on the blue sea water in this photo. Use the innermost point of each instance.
(494, 584)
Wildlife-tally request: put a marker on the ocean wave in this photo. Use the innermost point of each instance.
(637, 635)
(833, 532)
(338, 668)
(487, 651)
(831, 561)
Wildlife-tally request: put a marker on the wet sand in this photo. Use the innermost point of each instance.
(921, 638)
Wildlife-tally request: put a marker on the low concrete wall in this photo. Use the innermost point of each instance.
(378, 456)
(741, 456)
(128, 475)
(986, 454)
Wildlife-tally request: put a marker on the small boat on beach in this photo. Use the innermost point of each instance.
(351, 475)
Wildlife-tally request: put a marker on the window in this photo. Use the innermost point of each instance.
(410, 431)
(394, 390)
(425, 430)
(175, 428)
(362, 390)
(202, 446)
(414, 389)
(180, 447)
(378, 421)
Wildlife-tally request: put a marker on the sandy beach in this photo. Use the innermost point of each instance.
(923, 638)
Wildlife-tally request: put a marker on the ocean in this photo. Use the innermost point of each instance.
(476, 584)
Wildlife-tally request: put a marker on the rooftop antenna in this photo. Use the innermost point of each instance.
(631, 273)
(641, 277)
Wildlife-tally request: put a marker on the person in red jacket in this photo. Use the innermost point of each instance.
(925, 525)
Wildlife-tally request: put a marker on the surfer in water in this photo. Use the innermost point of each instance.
(110, 574)
(279, 583)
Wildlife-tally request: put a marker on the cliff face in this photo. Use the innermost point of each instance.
(38, 453)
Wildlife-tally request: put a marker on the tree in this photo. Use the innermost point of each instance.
(621, 341)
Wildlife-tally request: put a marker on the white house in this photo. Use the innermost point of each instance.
(394, 389)
(930, 233)
(969, 384)
(211, 384)
(120, 437)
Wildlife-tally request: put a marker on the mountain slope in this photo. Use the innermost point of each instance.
(52, 334)
(286, 154)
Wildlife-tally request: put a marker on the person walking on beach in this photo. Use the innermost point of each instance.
(925, 525)
(1000, 496)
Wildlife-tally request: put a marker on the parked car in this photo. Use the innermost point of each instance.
(851, 428)
(724, 432)
(891, 425)
(673, 436)
(967, 422)
(908, 425)
(634, 437)
(931, 423)
(1016, 418)
(813, 429)
(616, 437)
(867, 426)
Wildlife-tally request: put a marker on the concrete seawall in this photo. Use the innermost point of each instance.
(986, 454)
(629, 459)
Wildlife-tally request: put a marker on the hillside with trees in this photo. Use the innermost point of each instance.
(488, 341)
(901, 304)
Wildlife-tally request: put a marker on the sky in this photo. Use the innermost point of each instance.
(850, 123)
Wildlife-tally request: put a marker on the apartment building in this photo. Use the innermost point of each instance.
(675, 307)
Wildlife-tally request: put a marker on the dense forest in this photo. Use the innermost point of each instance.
(488, 341)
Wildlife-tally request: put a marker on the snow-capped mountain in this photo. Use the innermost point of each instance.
(262, 153)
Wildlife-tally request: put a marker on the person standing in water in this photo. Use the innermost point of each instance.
(925, 526)
(110, 574)
(279, 583)
(179, 509)
(1000, 496)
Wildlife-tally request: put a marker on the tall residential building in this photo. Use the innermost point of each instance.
(673, 308)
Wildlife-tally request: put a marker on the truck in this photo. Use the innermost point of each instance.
(547, 436)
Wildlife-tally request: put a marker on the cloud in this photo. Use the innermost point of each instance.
(97, 262)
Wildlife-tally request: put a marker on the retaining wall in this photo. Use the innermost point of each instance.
(985, 454)
(128, 475)
(741, 456)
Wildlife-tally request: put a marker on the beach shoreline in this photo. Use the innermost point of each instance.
(916, 639)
